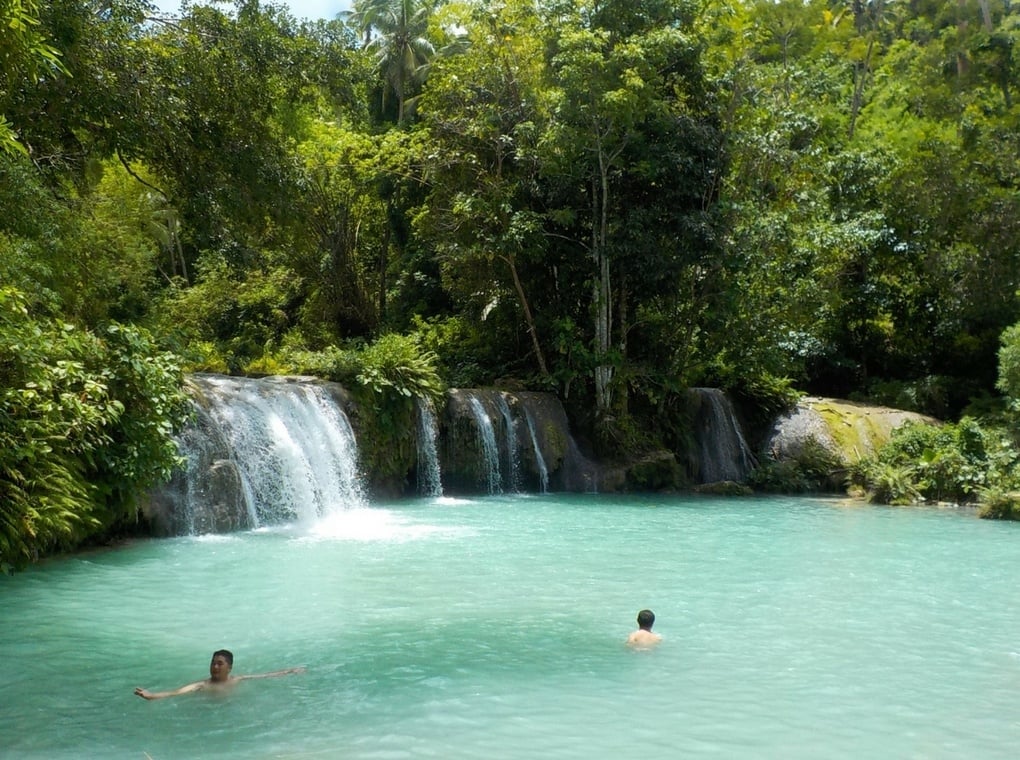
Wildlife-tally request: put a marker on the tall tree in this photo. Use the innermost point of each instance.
(481, 109)
(619, 72)
(396, 32)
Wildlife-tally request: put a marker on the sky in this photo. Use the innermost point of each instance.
(300, 9)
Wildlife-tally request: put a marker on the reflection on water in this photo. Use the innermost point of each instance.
(494, 628)
(377, 525)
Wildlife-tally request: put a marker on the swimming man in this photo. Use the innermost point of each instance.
(643, 638)
(219, 677)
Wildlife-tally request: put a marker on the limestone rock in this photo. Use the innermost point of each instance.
(848, 430)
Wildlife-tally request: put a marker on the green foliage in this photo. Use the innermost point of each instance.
(950, 462)
(891, 484)
(761, 397)
(387, 378)
(939, 463)
(396, 365)
(813, 469)
(926, 395)
(345, 260)
(243, 312)
(147, 384)
(998, 504)
(629, 159)
(1009, 362)
(395, 32)
(781, 477)
(26, 53)
(86, 422)
(465, 355)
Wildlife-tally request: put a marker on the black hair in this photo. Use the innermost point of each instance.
(645, 619)
(227, 655)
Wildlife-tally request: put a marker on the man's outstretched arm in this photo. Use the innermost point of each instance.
(146, 694)
(274, 674)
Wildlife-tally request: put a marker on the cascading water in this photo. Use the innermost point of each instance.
(204, 486)
(429, 479)
(279, 450)
(487, 437)
(293, 446)
(724, 454)
(513, 462)
(543, 471)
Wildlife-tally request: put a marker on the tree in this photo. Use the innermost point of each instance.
(396, 32)
(481, 110)
(25, 54)
(619, 72)
(343, 210)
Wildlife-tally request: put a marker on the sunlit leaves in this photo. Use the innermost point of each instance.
(86, 423)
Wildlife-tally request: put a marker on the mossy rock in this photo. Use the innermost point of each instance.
(848, 430)
(658, 471)
(724, 488)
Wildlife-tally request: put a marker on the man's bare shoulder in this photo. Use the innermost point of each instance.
(641, 638)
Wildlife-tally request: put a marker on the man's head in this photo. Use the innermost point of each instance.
(222, 662)
(645, 619)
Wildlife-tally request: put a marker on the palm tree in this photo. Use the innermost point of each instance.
(395, 29)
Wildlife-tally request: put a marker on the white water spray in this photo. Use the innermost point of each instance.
(513, 462)
(429, 478)
(293, 446)
(487, 437)
(543, 472)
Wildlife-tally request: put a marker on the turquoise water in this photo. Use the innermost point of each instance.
(493, 628)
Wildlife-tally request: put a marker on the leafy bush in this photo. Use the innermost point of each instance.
(889, 484)
(1009, 362)
(998, 504)
(86, 421)
(458, 346)
(762, 398)
(813, 469)
(243, 315)
(947, 463)
(780, 477)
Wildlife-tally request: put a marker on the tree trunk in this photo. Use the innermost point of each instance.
(528, 318)
(382, 264)
(862, 75)
(961, 28)
(622, 305)
(602, 292)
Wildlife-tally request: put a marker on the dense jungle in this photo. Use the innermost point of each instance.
(611, 200)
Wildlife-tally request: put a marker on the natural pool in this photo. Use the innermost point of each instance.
(493, 628)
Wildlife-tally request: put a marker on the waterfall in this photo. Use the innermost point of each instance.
(281, 449)
(429, 481)
(194, 500)
(543, 472)
(724, 454)
(513, 468)
(293, 446)
(487, 437)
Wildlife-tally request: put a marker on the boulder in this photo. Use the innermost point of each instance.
(847, 430)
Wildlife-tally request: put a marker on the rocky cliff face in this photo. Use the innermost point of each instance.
(494, 441)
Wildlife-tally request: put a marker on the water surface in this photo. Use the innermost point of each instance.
(494, 628)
